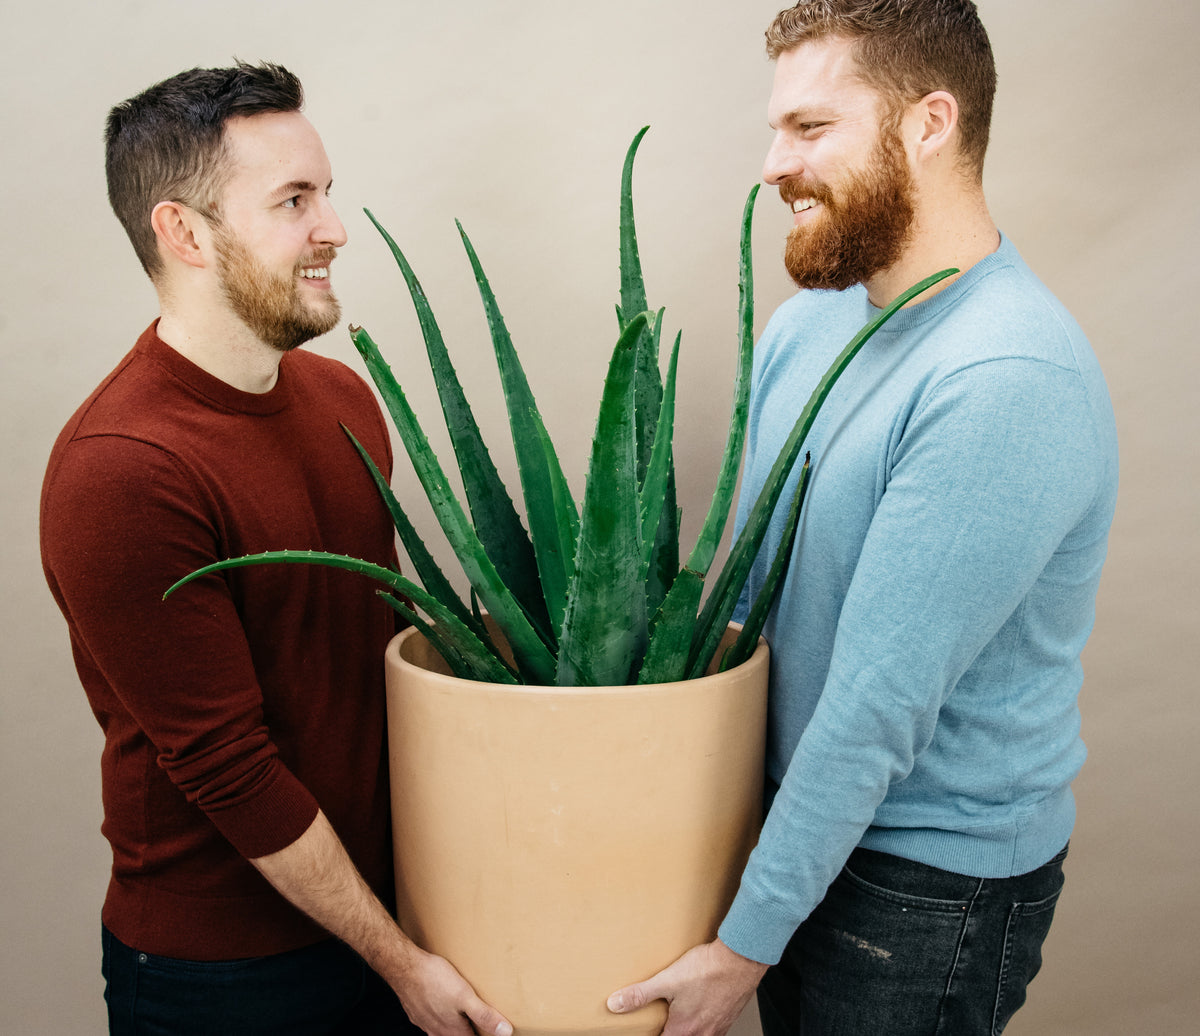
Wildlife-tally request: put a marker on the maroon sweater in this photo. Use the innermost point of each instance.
(236, 707)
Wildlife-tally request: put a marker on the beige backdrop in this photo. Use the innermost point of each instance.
(514, 117)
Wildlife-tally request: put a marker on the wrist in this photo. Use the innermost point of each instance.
(394, 956)
(736, 962)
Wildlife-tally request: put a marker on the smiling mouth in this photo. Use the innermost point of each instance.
(315, 273)
(803, 204)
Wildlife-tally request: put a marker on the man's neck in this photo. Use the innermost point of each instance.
(220, 344)
(956, 234)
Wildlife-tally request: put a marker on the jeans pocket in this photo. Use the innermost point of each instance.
(1027, 928)
(909, 884)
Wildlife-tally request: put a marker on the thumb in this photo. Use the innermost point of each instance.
(631, 998)
(487, 1020)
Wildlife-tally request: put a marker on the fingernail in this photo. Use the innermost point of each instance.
(504, 1029)
(616, 1003)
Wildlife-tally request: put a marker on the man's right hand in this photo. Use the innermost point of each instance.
(440, 1001)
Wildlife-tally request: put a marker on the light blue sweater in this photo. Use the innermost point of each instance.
(925, 647)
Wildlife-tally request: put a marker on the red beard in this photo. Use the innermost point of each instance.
(860, 230)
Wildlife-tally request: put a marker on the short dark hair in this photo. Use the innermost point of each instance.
(167, 143)
(907, 49)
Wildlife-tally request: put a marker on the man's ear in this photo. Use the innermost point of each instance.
(182, 232)
(939, 120)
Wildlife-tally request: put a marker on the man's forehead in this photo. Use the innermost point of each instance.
(816, 79)
(280, 146)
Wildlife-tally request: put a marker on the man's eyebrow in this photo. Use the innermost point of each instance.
(296, 187)
(803, 113)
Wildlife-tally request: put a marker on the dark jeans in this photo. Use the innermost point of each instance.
(901, 949)
(324, 989)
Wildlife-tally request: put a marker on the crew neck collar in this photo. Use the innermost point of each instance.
(212, 388)
(911, 316)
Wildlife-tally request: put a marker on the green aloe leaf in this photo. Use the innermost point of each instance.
(747, 640)
(633, 288)
(604, 630)
(721, 601)
(676, 621)
(663, 562)
(647, 396)
(654, 490)
(550, 510)
(471, 664)
(671, 631)
(714, 522)
(465, 642)
(534, 659)
(566, 524)
(427, 571)
(496, 522)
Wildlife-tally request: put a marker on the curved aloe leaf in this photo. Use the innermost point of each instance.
(465, 642)
(534, 659)
(747, 640)
(604, 630)
(496, 522)
(720, 603)
(551, 513)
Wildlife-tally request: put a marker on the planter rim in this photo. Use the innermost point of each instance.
(395, 657)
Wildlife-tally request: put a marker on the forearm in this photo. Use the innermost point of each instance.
(315, 874)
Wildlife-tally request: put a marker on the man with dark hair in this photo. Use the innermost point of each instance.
(924, 727)
(244, 770)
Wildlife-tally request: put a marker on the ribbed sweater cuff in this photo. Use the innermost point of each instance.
(272, 819)
(756, 929)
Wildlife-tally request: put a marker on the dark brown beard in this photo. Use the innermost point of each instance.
(271, 306)
(861, 230)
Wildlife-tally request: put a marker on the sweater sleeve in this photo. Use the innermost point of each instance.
(994, 468)
(120, 522)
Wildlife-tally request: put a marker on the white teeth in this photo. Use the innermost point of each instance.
(318, 274)
(800, 204)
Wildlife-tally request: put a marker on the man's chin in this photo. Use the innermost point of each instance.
(321, 320)
(812, 275)
(284, 340)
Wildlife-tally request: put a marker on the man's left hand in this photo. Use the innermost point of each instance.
(705, 989)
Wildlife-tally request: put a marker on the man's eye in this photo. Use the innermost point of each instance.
(292, 202)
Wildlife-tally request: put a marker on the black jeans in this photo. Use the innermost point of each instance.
(321, 990)
(898, 948)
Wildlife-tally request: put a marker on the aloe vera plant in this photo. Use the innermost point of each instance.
(590, 594)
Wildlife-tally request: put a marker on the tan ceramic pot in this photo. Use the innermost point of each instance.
(557, 844)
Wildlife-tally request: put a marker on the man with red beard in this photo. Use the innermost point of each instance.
(924, 728)
(244, 771)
